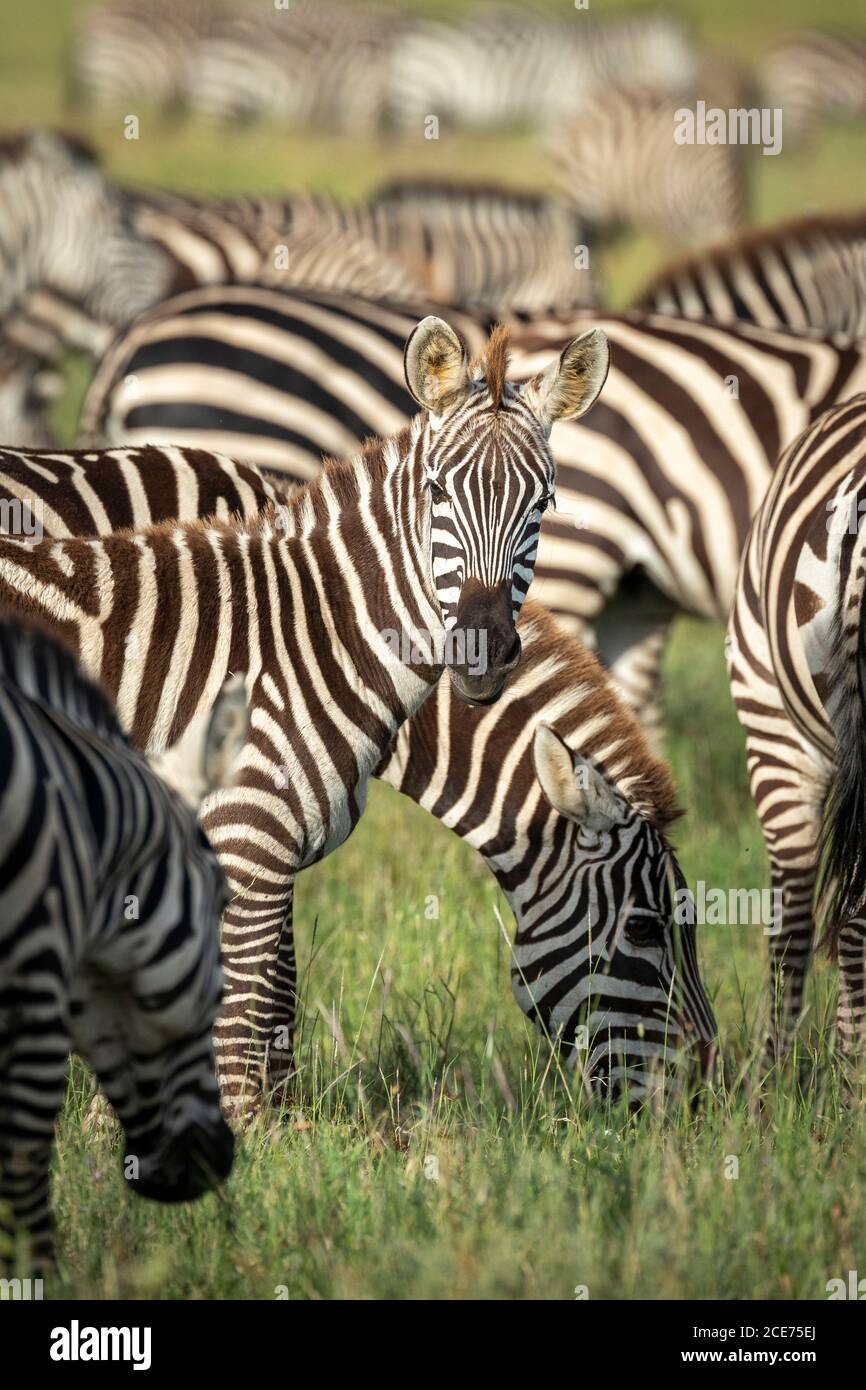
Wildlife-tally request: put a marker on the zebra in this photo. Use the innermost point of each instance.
(341, 606)
(121, 53)
(111, 899)
(65, 229)
(618, 164)
(796, 661)
(498, 777)
(504, 65)
(656, 487)
(814, 74)
(805, 275)
(485, 248)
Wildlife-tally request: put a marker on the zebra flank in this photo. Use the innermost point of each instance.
(473, 769)
(807, 275)
(111, 900)
(796, 663)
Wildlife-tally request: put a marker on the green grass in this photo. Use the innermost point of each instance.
(430, 1058)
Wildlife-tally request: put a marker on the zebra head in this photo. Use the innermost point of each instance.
(490, 475)
(625, 994)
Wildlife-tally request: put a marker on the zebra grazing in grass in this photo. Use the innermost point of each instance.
(487, 248)
(804, 275)
(618, 165)
(656, 488)
(814, 75)
(505, 65)
(342, 607)
(797, 657)
(499, 778)
(111, 899)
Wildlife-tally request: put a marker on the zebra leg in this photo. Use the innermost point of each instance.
(29, 1107)
(254, 1031)
(851, 1010)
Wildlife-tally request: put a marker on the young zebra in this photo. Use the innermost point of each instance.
(814, 74)
(656, 488)
(796, 659)
(341, 607)
(498, 778)
(804, 275)
(618, 165)
(110, 901)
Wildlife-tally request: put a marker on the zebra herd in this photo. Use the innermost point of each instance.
(326, 450)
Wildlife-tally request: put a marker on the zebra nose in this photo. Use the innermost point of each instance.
(511, 657)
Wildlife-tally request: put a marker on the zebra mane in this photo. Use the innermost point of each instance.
(35, 662)
(492, 363)
(839, 223)
(615, 741)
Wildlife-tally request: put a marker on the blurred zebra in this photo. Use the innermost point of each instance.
(804, 275)
(486, 248)
(655, 489)
(428, 537)
(64, 228)
(313, 63)
(813, 75)
(620, 998)
(796, 658)
(506, 65)
(619, 165)
(110, 902)
(126, 52)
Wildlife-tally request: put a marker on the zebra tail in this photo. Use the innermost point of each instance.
(842, 845)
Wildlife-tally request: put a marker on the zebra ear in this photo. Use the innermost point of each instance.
(436, 364)
(573, 784)
(571, 385)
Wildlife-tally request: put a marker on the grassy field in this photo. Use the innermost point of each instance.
(436, 1151)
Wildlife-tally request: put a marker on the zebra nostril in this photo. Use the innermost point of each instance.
(512, 655)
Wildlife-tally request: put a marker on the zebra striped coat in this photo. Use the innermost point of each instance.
(655, 489)
(804, 275)
(110, 901)
(430, 536)
(796, 658)
(814, 74)
(498, 778)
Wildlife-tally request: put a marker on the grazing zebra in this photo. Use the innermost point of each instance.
(814, 74)
(110, 901)
(804, 275)
(504, 65)
(796, 658)
(498, 778)
(618, 165)
(656, 488)
(342, 607)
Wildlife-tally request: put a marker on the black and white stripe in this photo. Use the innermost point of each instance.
(808, 275)
(814, 75)
(797, 664)
(110, 901)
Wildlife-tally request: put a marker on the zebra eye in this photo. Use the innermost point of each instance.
(437, 491)
(641, 931)
(548, 500)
